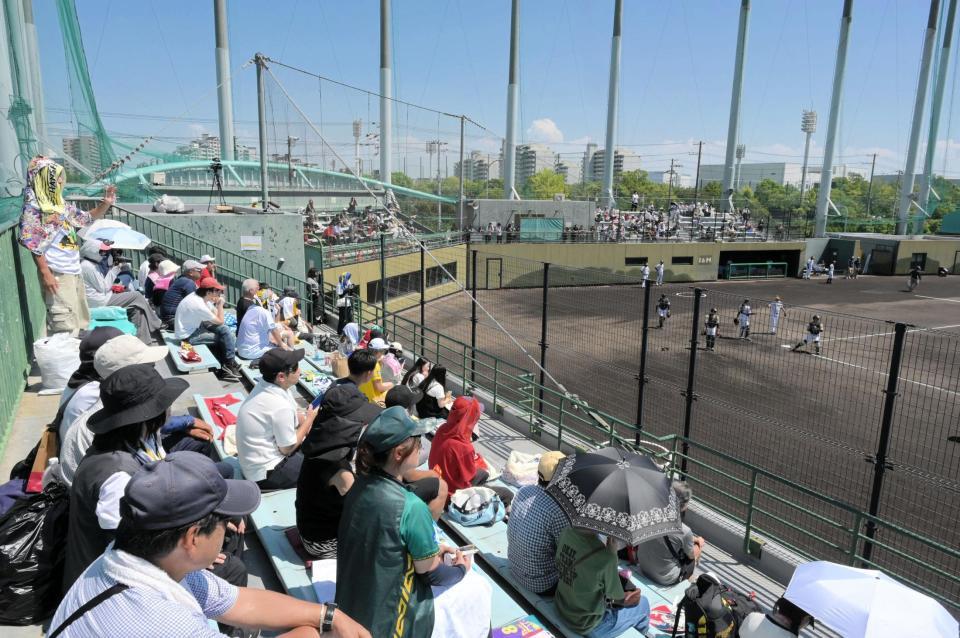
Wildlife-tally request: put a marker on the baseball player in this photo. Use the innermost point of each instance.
(814, 331)
(663, 310)
(776, 311)
(712, 324)
(645, 273)
(660, 273)
(830, 271)
(808, 271)
(915, 276)
(743, 319)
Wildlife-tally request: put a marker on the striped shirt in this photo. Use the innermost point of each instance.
(533, 530)
(140, 612)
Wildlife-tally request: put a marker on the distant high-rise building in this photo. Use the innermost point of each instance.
(586, 171)
(783, 173)
(531, 159)
(207, 147)
(85, 149)
(623, 161)
(476, 167)
(571, 171)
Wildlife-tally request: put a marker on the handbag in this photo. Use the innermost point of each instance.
(474, 506)
(521, 469)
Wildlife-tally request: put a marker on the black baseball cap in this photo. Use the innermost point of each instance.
(182, 488)
(403, 396)
(277, 360)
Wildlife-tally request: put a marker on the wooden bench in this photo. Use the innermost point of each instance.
(207, 360)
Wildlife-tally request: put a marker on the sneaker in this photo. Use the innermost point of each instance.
(229, 372)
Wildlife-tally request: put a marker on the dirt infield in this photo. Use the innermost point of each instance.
(811, 419)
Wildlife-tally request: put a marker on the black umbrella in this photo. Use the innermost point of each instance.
(617, 493)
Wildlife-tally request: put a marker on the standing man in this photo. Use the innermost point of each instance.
(635, 201)
(499, 233)
(808, 271)
(48, 229)
(743, 319)
(776, 311)
(660, 273)
(915, 276)
(830, 272)
(269, 428)
(663, 310)
(712, 324)
(814, 330)
(645, 273)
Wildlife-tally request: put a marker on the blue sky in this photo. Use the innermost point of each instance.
(152, 58)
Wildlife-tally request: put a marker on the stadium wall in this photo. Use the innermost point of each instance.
(940, 252)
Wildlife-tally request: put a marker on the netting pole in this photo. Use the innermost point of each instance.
(423, 296)
(383, 280)
(473, 320)
(880, 465)
(543, 333)
(691, 376)
(323, 294)
(262, 129)
(642, 375)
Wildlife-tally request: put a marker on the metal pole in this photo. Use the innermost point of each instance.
(33, 58)
(473, 321)
(513, 100)
(383, 280)
(670, 186)
(826, 171)
(386, 95)
(423, 298)
(910, 170)
(806, 158)
(543, 332)
(460, 207)
(323, 294)
(613, 98)
(289, 161)
(262, 123)
(873, 166)
(696, 184)
(224, 91)
(691, 376)
(879, 461)
(733, 128)
(642, 375)
(936, 103)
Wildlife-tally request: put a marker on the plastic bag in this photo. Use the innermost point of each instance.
(521, 469)
(58, 357)
(33, 543)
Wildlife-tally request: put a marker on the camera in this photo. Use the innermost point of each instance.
(216, 166)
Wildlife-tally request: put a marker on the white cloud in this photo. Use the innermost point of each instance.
(544, 130)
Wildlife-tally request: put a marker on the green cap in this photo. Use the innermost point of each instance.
(391, 428)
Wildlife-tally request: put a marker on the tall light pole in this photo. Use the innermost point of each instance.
(291, 140)
(740, 152)
(808, 124)
(262, 128)
(907, 199)
(224, 92)
(386, 95)
(357, 131)
(736, 94)
(613, 97)
(513, 101)
(826, 171)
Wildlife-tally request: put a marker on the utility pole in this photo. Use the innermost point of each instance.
(262, 125)
(826, 171)
(696, 185)
(357, 131)
(513, 101)
(736, 94)
(873, 166)
(808, 124)
(290, 142)
(460, 202)
(907, 200)
(673, 166)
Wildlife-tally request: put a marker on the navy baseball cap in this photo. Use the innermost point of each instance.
(182, 488)
(391, 428)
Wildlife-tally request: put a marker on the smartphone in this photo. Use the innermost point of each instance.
(316, 402)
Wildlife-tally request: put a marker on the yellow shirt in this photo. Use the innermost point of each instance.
(369, 391)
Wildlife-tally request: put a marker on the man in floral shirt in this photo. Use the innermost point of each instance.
(48, 228)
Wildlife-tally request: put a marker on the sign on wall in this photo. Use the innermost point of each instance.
(251, 242)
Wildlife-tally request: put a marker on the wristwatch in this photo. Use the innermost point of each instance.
(327, 624)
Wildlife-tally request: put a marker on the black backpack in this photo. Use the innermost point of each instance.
(713, 610)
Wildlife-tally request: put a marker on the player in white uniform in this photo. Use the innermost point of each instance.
(660, 273)
(712, 324)
(645, 273)
(814, 331)
(743, 319)
(830, 272)
(776, 311)
(808, 271)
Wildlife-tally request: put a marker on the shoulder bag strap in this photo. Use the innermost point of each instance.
(87, 606)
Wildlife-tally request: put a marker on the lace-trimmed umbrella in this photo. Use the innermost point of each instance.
(617, 493)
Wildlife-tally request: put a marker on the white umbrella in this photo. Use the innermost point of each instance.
(119, 233)
(866, 603)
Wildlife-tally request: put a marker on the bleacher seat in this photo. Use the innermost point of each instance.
(204, 413)
(207, 360)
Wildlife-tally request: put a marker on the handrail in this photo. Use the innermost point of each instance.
(837, 535)
(346, 254)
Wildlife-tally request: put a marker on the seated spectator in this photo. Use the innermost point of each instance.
(83, 386)
(533, 531)
(370, 335)
(376, 388)
(349, 338)
(179, 288)
(392, 364)
(126, 437)
(415, 375)
(258, 332)
(155, 255)
(200, 321)
(453, 455)
(590, 595)
(436, 400)
(209, 267)
(785, 621)
(269, 428)
(249, 297)
(175, 513)
(326, 474)
(99, 274)
(378, 588)
(672, 558)
(159, 277)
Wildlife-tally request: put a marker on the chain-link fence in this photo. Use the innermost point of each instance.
(814, 413)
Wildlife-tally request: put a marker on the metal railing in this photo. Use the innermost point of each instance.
(768, 506)
(346, 254)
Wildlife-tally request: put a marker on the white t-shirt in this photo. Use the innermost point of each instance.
(416, 379)
(74, 445)
(63, 255)
(757, 625)
(78, 403)
(191, 312)
(253, 337)
(267, 421)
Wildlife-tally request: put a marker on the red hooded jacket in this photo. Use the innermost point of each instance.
(452, 450)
